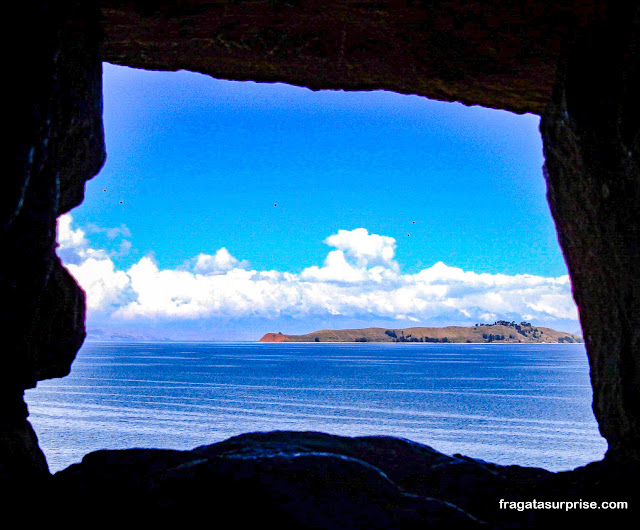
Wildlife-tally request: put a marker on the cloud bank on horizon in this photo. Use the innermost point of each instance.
(359, 280)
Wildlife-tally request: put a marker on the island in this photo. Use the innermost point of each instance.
(501, 331)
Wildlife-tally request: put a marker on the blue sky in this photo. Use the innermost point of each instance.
(325, 190)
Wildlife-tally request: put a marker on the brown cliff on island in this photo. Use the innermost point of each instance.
(501, 331)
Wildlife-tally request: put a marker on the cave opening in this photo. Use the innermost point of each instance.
(435, 198)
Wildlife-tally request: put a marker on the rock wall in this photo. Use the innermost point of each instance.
(500, 54)
(57, 143)
(591, 133)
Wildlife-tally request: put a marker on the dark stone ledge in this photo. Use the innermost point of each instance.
(320, 481)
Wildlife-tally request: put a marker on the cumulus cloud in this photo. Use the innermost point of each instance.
(367, 249)
(359, 278)
(68, 237)
(336, 269)
(73, 245)
(221, 261)
(360, 258)
(93, 269)
(103, 284)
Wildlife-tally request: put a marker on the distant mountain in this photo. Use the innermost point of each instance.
(109, 336)
(498, 332)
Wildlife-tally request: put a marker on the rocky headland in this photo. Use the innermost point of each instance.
(501, 331)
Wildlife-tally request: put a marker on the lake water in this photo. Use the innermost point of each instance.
(509, 404)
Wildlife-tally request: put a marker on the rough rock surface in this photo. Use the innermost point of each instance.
(315, 480)
(501, 54)
(57, 144)
(591, 133)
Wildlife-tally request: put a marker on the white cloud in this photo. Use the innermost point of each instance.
(73, 245)
(217, 263)
(359, 279)
(121, 231)
(366, 249)
(68, 238)
(111, 233)
(361, 257)
(93, 269)
(102, 283)
(125, 247)
(336, 269)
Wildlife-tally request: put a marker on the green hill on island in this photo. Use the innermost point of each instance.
(501, 331)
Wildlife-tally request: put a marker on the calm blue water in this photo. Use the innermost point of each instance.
(509, 404)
